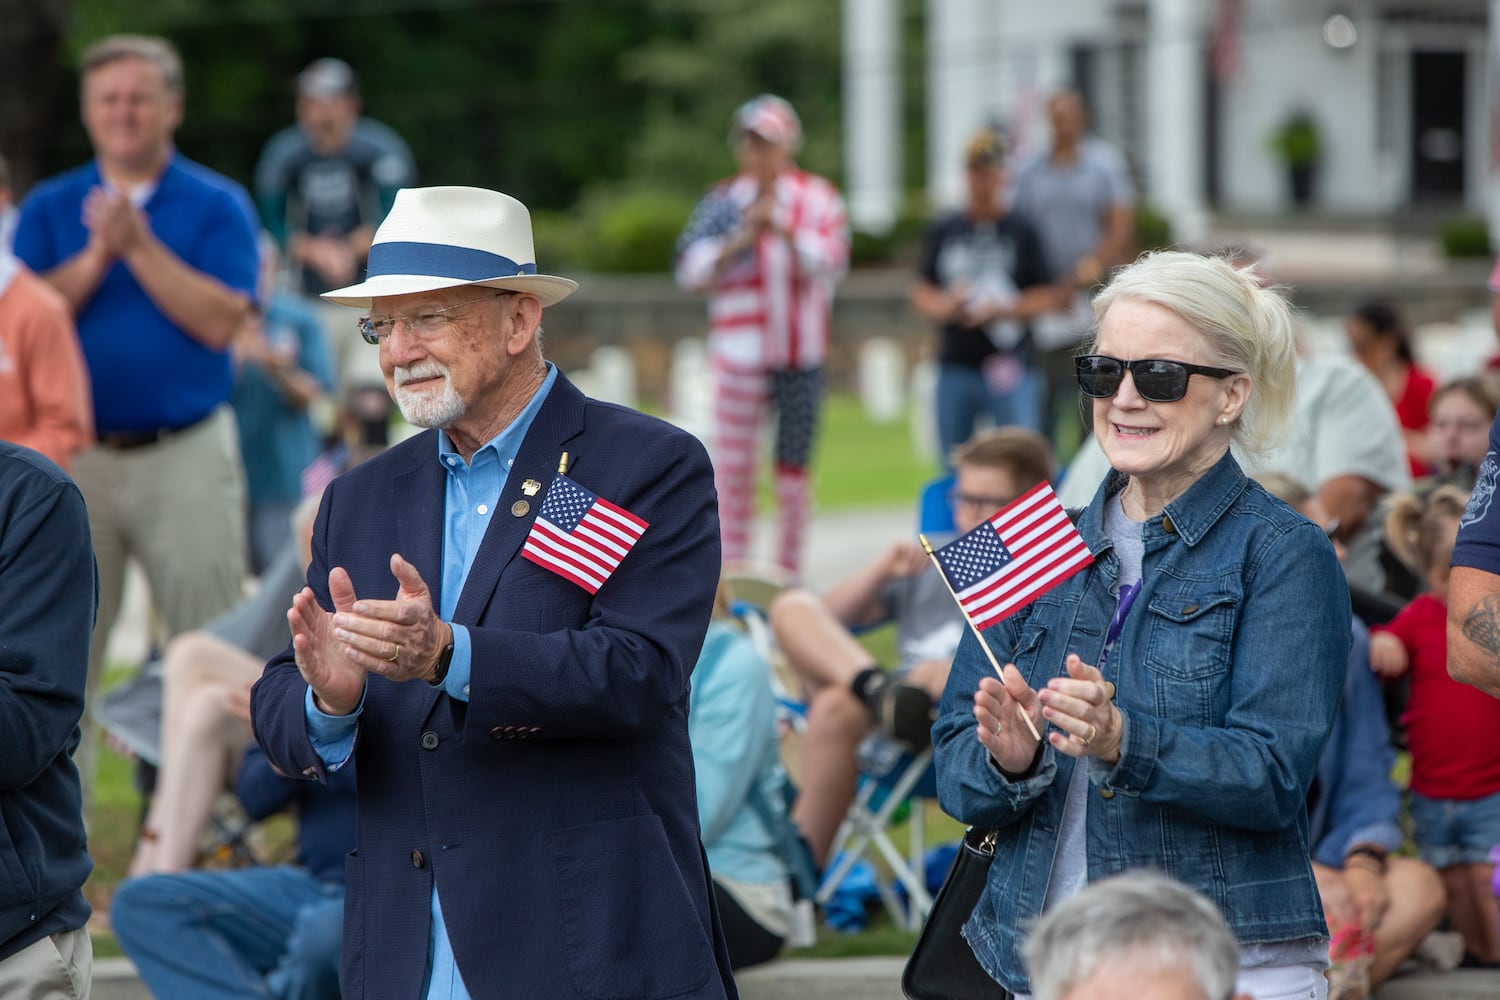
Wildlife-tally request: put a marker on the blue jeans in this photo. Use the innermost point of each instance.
(1455, 831)
(963, 393)
(268, 933)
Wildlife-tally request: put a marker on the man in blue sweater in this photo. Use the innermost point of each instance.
(48, 591)
(258, 932)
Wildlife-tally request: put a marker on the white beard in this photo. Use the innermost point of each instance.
(426, 409)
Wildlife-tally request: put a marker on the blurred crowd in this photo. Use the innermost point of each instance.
(162, 339)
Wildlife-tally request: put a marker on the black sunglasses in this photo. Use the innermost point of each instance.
(1156, 379)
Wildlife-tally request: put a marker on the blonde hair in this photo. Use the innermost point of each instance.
(157, 51)
(1248, 328)
(1417, 531)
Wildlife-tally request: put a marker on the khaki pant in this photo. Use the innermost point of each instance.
(177, 508)
(60, 967)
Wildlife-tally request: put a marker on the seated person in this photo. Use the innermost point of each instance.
(1459, 431)
(848, 692)
(1138, 935)
(737, 764)
(249, 932)
(1354, 809)
(205, 717)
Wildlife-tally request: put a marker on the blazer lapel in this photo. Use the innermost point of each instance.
(419, 496)
(558, 421)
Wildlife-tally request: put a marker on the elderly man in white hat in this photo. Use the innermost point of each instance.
(499, 623)
(767, 245)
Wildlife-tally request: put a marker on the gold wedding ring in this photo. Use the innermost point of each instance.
(1093, 731)
(396, 655)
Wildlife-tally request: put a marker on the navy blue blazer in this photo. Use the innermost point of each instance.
(555, 810)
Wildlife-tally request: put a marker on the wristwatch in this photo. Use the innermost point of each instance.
(445, 658)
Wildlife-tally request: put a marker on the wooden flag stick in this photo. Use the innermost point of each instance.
(927, 547)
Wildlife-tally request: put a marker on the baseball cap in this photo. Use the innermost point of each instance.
(327, 78)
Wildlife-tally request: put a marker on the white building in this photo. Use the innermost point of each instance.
(1191, 90)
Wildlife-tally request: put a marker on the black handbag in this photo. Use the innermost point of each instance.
(942, 966)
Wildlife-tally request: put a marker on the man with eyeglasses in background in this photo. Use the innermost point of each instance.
(500, 620)
(156, 256)
(849, 693)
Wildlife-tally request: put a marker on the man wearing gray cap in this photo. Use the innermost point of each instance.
(323, 185)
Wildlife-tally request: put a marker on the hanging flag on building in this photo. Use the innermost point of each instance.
(1224, 49)
(579, 536)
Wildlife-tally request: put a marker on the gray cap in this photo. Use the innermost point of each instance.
(327, 78)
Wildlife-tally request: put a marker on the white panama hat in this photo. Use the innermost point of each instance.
(444, 237)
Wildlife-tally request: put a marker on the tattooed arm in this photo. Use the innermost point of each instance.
(1474, 628)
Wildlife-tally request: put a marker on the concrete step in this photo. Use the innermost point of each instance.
(880, 979)
(115, 979)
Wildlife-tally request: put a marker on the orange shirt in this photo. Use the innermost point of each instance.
(45, 400)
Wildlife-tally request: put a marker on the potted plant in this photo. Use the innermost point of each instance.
(1296, 143)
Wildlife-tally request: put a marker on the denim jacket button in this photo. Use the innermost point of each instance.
(1106, 793)
(1168, 526)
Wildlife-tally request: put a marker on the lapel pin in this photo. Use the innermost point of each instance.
(530, 487)
(520, 508)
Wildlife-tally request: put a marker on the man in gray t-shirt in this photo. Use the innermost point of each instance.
(1079, 196)
(848, 692)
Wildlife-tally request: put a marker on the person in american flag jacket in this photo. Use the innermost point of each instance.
(767, 245)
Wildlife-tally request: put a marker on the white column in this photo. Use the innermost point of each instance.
(872, 113)
(1174, 115)
(961, 50)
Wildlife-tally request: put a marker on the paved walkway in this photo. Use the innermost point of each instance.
(876, 979)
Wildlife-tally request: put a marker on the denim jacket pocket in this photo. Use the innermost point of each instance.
(1191, 634)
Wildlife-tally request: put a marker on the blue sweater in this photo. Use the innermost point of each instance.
(325, 812)
(48, 593)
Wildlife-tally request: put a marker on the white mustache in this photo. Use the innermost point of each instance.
(426, 369)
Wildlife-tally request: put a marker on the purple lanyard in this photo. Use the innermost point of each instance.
(1117, 624)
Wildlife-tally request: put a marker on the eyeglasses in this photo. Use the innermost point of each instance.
(425, 324)
(988, 504)
(1156, 379)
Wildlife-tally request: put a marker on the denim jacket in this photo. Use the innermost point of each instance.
(1227, 673)
(1357, 801)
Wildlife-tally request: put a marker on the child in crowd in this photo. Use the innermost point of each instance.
(1455, 762)
(1459, 429)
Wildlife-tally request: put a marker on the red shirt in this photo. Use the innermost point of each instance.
(1412, 407)
(1450, 726)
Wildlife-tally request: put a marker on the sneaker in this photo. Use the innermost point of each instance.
(1441, 950)
(906, 712)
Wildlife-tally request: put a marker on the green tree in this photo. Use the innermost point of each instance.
(714, 54)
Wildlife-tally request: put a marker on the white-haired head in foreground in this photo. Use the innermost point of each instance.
(1137, 936)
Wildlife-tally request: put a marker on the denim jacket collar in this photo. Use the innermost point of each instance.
(1190, 516)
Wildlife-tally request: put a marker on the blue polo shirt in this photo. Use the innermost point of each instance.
(147, 372)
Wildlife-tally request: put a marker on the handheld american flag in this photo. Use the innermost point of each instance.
(579, 536)
(1018, 555)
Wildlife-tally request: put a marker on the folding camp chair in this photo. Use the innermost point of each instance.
(872, 816)
(894, 782)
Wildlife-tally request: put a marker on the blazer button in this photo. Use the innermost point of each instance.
(429, 740)
(417, 861)
(1105, 793)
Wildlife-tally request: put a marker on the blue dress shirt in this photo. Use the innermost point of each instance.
(473, 489)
